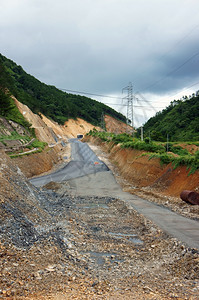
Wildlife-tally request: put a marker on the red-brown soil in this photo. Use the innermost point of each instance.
(142, 172)
(38, 163)
(148, 179)
(116, 126)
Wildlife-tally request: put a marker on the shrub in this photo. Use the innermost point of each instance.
(155, 149)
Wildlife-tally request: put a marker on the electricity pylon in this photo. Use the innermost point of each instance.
(129, 98)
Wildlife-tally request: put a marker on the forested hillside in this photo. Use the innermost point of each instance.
(49, 100)
(180, 120)
(8, 108)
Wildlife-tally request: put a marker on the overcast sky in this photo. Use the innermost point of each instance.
(99, 46)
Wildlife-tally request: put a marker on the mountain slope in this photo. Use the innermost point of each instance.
(48, 100)
(180, 120)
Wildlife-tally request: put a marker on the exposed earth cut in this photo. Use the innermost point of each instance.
(47, 130)
(147, 178)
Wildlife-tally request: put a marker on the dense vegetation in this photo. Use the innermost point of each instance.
(166, 152)
(48, 100)
(180, 121)
(8, 108)
(9, 111)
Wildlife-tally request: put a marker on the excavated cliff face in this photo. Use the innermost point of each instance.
(42, 131)
(48, 130)
(71, 128)
(38, 163)
(116, 126)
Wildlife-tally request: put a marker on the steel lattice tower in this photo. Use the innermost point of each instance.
(129, 98)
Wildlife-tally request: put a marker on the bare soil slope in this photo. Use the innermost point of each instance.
(46, 130)
(116, 126)
(71, 128)
(143, 172)
(42, 131)
(38, 163)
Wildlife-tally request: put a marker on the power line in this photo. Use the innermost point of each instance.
(99, 95)
(174, 46)
(173, 71)
(137, 106)
(179, 41)
(120, 98)
(87, 93)
(106, 96)
(187, 88)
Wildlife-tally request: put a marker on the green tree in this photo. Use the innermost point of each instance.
(5, 103)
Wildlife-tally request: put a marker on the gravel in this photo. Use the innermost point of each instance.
(55, 245)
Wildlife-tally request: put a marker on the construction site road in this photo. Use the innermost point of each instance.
(83, 162)
(104, 184)
(86, 175)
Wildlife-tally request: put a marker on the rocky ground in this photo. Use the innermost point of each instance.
(55, 245)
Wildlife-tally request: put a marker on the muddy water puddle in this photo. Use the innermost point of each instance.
(101, 258)
(130, 237)
(92, 205)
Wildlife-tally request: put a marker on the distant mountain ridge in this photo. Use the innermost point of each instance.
(179, 121)
(49, 100)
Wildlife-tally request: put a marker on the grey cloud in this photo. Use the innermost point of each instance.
(99, 46)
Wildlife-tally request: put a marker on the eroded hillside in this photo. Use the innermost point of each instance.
(50, 131)
(116, 126)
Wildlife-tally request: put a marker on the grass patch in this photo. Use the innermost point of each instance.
(37, 144)
(15, 136)
(154, 149)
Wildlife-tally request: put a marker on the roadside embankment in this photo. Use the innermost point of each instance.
(148, 178)
(142, 171)
(38, 163)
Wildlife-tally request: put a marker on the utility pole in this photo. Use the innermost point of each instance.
(103, 126)
(129, 98)
(167, 142)
(142, 135)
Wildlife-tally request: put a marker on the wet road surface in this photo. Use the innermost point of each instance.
(84, 162)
